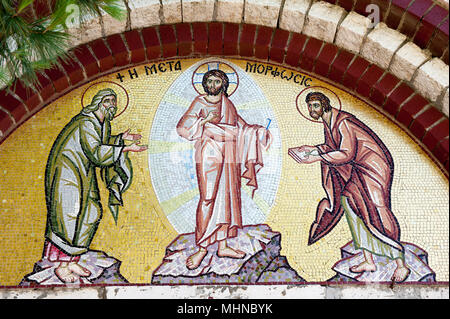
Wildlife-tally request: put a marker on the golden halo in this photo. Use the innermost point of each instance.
(198, 74)
(301, 104)
(122, 95)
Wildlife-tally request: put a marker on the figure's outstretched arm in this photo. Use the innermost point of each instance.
(91, 143)
(347, 148)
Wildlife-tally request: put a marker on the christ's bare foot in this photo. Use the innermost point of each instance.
(362, 267)
(196, 259)
(71, 272)
(400, 274)
(230, 253)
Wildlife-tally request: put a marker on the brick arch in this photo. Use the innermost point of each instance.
(381, 89)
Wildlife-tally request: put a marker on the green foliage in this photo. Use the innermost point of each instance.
(29, 45)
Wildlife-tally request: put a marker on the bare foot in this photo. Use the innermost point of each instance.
(400, 274)
(362, 267)
(78, 270)
(196, 259)
(230, 253)
(71, 272)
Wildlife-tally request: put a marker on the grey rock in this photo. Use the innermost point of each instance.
(262, 263)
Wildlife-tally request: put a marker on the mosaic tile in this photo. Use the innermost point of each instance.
(159, 206)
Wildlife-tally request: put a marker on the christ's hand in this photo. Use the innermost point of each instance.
(210, 117)
(131, 137)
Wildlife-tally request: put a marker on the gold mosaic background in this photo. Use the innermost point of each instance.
(419, 191)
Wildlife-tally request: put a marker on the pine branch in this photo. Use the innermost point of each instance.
(29, 47)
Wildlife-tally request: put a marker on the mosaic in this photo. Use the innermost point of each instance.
(217, 171)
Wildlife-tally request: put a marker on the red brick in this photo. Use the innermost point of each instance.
(428, 25)
(354, 72)
(262, 42)
(46, 88)
(361, 6)
(445, 56)
(436, 134)
(325, 59)
(419, 8)
(135, 45)
(27, 95)
(295, 49)
(41, 8)
(310, 53)
(346, 4)
(215, 38)
(152, 44)
(27, 14)
(168, 41)
(340, 65)
(422, 122)
(383, 88)
(118, 49)
(278, 47)
(73, 70)
(396, 99)
(103, 55)
(12, 105)
(368, 80)
(6, 122)
(441, 151)
(439, 41)
(184, 39)
(200, 33)
(398, 7)
(87, 60)
(410, 109)
(58, 78)
(413, 15)
(247, 40)
(230, 39)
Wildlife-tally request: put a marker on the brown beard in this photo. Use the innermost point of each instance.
(314, 117)
(214, 93)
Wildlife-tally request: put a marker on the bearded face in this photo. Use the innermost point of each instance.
(109, 107)
(315, 109)
(214, 85)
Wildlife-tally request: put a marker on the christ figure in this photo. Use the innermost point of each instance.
(226, 149)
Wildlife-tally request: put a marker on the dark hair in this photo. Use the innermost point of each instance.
(324, 100)
(220, 74)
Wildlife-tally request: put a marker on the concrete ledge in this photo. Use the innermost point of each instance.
(293, 15)
(229, 10)
(322, 21)
(432, 79)
(234, 292)
(262, 12)
(381, 44)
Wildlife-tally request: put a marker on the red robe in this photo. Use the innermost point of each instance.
(356, 164)
(225, 150)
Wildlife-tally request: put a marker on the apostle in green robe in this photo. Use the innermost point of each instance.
(71, 187)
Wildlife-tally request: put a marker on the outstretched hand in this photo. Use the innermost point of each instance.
(131, 137)
(135, 147)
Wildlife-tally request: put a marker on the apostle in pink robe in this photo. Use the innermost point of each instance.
(357, 170)
(226, 149)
